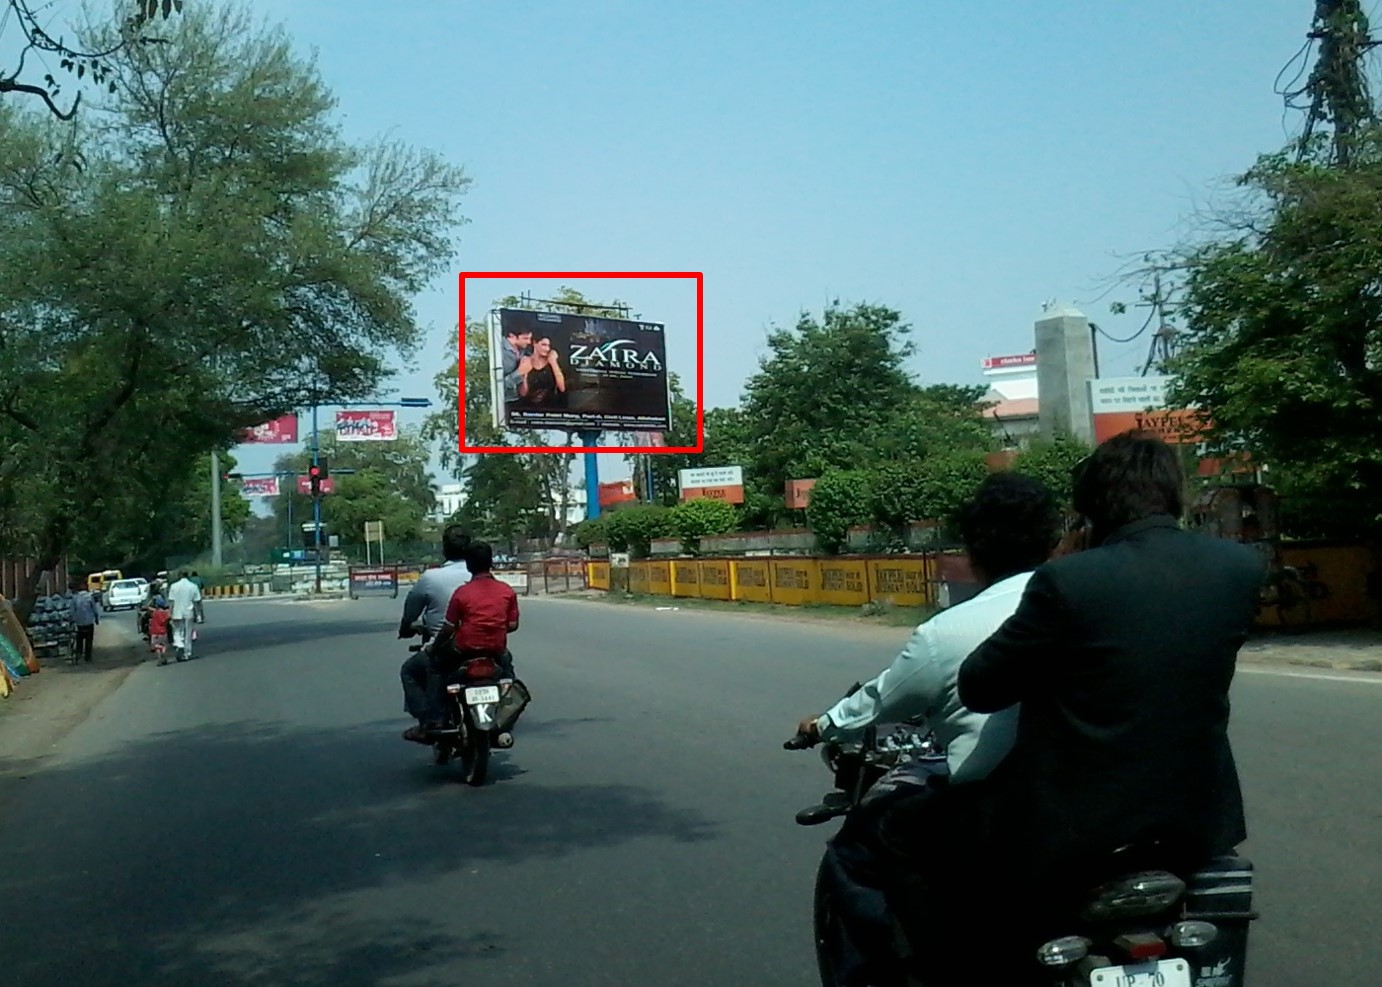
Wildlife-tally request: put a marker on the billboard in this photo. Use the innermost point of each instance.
(259, 486)
(717, 483)
(1119, 404)
(577, 372)
(366, 426)
(1020, 361)
(280, 431)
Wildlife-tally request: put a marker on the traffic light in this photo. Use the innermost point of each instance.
(316, 473)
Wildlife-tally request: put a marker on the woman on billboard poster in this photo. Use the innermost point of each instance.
(544, 385)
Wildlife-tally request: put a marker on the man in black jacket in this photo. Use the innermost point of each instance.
(1121, 657)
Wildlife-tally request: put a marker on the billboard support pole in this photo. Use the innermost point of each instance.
(592, 476)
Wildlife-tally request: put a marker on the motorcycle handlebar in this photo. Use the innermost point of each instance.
(799, 743)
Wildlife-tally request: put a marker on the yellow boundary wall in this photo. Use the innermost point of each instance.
(903, 580)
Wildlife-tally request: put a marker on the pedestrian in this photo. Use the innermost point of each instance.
(85, 616)
(160, 617)
(200, 583)
(184, 596)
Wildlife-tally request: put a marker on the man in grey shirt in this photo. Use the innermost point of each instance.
(85, 617)
(427, 601)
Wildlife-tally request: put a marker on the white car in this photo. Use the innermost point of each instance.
(124, 594)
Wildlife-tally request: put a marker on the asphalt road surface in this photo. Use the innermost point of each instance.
(254, 818)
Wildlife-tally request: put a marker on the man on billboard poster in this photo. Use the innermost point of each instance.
(517, 345)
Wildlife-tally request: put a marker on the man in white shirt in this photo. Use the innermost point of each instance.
(183, 597)
(427, 601)
(1009, 528)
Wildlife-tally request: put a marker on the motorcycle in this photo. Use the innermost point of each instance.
(1143, 927)
(482, 707)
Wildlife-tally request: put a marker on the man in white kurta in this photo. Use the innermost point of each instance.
(183, 597)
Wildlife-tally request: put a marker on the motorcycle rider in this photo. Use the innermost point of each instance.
(427, 602)
(1009, 527)
(1121, 657)
(479, 619)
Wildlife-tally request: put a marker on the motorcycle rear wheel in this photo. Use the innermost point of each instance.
(475, 757)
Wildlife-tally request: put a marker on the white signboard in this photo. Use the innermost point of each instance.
(518, 579)
(620, 560)
(716, 476)
(1108, 395)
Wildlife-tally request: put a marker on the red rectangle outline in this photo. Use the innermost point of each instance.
(699, 278)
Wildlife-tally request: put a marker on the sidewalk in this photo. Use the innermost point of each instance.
(45, 707)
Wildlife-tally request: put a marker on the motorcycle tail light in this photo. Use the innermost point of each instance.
(1063, 952)
(481, 668)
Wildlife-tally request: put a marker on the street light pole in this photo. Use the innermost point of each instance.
(316, 505)
(216, 554)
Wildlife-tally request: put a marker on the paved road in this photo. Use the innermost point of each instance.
(253, 818)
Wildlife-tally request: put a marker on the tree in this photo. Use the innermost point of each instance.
(1053, 461)
(391, 483)
(702, 518)
(666, 466)
(840, 500)
(87, 61)
(822, 391)
(544, 478)
(222, 258)
(1283, 341)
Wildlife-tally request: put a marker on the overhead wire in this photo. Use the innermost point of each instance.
(1134, 337)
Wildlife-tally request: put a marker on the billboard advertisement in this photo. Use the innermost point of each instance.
(1119, 404)
(577, 372)
(718, 483)
(280, 431)
(259, 486)
(366, 426)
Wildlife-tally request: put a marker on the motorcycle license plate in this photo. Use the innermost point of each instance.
(482, 694)
(1166, 973)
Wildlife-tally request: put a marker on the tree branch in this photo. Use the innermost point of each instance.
(10, 86)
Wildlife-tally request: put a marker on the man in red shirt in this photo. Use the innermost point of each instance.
(479, 619)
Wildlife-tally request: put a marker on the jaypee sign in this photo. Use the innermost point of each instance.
(715, 483)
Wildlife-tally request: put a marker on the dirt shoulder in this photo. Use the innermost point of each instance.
(44, 708)
(1354, 649)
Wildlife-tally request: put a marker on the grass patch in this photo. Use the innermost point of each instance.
(881, 614)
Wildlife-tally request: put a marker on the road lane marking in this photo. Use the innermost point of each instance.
(1361, 678)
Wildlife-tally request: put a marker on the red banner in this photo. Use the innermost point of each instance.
(280, 431)
(366, 426)
(305, 485)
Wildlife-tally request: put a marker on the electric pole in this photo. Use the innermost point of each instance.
(1338, 86)
(1164, 338)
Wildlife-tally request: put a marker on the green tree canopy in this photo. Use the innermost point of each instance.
(220, 257)
(1283, 341)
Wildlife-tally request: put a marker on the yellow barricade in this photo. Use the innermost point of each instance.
(715, 580)
(660, 578)
(901, 582)
(751, 581)
(686, 578)
(844, 582)
(639, 577)
(597, 575)
(795, 582)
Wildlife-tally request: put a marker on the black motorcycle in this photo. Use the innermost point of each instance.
(482, 706)
(1144, 927)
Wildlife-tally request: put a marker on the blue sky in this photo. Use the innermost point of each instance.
(962, 162)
